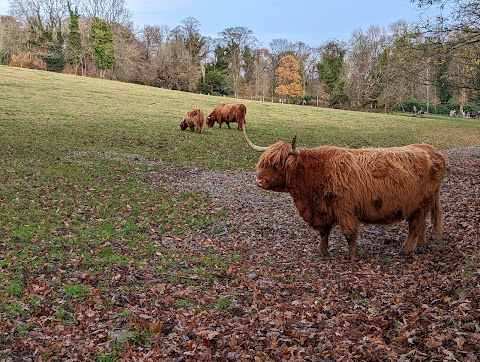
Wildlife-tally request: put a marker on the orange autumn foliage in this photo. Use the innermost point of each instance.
(26, 60)
(288, 78)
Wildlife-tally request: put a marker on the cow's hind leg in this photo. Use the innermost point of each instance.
(324, 233)
(416, 223)
(422, 224)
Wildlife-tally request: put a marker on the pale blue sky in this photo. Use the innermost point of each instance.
(310, 21)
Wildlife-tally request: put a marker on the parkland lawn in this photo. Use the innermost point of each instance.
(77, 202)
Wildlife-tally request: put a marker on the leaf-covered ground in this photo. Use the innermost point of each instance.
(250, 287)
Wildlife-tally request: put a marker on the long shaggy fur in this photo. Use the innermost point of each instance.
(332, 185)
(194, 119)
(227, 113)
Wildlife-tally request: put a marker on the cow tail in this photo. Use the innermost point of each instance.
(437, 216)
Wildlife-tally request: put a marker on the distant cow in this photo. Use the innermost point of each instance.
(228, 113)
(332, 185)
(194, 119)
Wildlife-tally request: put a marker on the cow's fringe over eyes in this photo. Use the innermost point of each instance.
(275, 156)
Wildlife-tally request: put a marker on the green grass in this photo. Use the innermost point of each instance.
(81, 219)
(223, 303)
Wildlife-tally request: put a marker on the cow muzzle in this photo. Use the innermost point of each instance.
(261, 183)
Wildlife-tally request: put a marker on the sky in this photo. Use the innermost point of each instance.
(311, 21)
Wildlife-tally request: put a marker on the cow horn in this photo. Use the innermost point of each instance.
(294, 150)
(251, 144)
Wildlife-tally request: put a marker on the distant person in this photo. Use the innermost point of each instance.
(414, 109)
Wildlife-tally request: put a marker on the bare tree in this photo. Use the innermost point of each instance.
(262, 68)
(44, 17)
(112, 11)
(311, 74)
(302, 52)
(47, 12)
(174, 68)
(455, 32)
(280, 47)
(129, 62)
(195, 42)
(362, 59)
(13, 38)
(153, 38)
(454, 17)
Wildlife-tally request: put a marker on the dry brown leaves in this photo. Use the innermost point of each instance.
(284, 303)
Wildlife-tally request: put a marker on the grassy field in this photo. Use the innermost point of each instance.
(76, 154)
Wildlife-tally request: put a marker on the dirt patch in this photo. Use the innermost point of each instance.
(271, 217)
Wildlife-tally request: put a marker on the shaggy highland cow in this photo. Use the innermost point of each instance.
(194, 119)
(331, 185)
(228, 113)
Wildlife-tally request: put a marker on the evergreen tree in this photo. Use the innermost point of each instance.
(221, 62)
(101, 43)
(214, 82)
(330, 72)
(55, 58)
(74, 43)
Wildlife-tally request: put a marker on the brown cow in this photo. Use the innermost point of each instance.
(194, 119)
(332, 185)
(228, 113)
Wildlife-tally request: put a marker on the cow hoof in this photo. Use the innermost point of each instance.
(404, 252)
(324, 255)
(422, 243)
(421, 249)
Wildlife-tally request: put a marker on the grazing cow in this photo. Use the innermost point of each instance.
(332, 185)
(228, 113)
(193, 119)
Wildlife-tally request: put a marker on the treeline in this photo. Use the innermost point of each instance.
(378, 69)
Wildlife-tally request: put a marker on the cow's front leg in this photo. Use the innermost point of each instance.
(352, 246)
(228, 124)
(324, 233)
